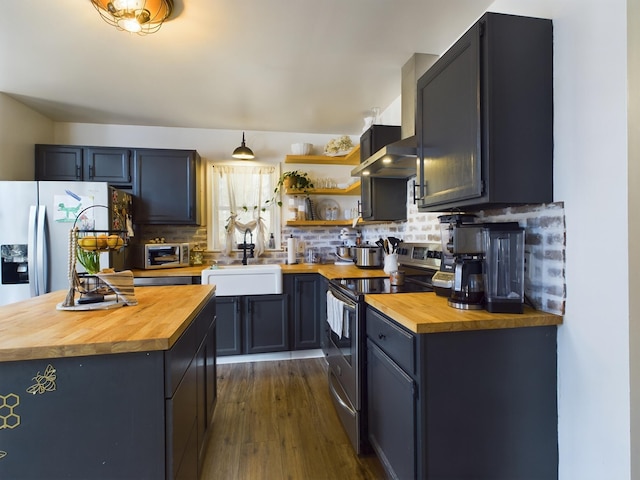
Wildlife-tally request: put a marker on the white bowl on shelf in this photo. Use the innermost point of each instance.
(301, 148)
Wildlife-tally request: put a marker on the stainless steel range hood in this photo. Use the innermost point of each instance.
(398, 159)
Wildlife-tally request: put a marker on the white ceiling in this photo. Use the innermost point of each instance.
(313, 66)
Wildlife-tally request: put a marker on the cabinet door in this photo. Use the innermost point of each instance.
(266, 324)
(228, 326)
(111, 165)
(59, 163)
(448, 123)
(325, 330)
(166, 187)
(392, 414)
(383, 198)
(307, 311)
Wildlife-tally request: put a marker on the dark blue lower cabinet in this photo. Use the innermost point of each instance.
(472, 404)
(308, 309)
(293, 320)
(392, 413)
(266, 324)
(229, 326)
(252, 324)
(117, 416)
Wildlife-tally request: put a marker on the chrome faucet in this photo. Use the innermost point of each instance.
(244, 246)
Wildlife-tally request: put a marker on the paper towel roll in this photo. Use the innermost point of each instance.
(292, 250)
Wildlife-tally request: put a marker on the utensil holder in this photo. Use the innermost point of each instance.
(390, 263)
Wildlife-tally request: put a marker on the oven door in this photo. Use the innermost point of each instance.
(344, 350)
(163, 256)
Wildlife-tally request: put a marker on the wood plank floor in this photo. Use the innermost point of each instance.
(275, 420)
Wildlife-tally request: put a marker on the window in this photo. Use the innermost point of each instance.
(241, 198)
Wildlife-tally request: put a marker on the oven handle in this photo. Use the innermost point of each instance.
(335, 394)
(348, 306)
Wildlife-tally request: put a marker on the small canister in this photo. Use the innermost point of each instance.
(397, 277)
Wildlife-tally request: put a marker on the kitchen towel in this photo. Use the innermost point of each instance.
(336, 319)
(122, 284)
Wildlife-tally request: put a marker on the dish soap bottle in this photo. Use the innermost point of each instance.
(272, 242)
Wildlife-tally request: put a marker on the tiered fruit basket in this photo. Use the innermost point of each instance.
(85, 247)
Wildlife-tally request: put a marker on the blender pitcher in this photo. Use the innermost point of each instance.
(504, 267)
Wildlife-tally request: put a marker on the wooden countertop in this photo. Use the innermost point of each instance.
(419, 312)
(171, 272)
(34, 329)
(329, 270)
(429, 313)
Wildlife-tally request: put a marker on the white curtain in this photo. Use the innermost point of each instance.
(247, 196)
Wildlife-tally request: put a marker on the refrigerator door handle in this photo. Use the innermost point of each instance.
(41, 246)
(31, 252)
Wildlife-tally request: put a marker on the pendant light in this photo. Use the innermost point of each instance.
(243, 152)
(134, 16)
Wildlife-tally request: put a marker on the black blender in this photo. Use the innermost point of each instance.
(504, 267)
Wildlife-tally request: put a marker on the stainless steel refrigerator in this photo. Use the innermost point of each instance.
(35, 220)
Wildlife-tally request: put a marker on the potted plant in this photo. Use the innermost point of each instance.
(293, 180)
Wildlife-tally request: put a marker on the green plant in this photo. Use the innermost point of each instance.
(294, 180)
(90, 260)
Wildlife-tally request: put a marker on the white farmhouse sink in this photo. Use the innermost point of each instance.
(244, 279)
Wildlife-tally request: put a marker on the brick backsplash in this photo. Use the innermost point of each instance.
(544, 225)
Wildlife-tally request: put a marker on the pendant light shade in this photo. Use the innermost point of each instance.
(243, 152)
(134, 16)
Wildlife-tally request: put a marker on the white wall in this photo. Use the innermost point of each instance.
(213, 145)
(633, 44)
(20, 129)
(590, 48)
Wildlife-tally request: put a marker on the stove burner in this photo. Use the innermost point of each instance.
(364, 286)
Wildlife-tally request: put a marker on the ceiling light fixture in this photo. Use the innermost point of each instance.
(134, 16)
(243, 152)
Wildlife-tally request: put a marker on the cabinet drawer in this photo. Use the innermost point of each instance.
(177, 359)
(392, 339)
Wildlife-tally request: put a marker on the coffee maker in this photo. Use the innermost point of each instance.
(443, 279)
(504, 267)
(467, 291)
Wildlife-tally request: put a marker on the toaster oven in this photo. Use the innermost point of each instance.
(160, 255)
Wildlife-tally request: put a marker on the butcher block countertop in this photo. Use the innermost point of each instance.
(330, 271)
(429, 313)
(171, 272)
(34, 329)
(419, 312)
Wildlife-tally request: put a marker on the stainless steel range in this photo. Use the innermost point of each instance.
(346, 335)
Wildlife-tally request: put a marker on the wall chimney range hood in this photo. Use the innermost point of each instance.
(398, 159)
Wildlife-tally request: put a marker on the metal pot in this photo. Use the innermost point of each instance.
(345, 253)
(368, 257)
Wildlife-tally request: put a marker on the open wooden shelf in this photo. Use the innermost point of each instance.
(353, 158)
(353, 189)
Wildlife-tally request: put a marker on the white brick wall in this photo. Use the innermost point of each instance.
(544, 226)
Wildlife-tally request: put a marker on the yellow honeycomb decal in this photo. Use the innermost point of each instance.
(8, 417)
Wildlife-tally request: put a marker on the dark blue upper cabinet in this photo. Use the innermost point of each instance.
(485, 118)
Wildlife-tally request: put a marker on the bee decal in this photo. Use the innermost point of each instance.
(44, 383)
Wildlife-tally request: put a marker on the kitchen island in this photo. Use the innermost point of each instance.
(121, 393)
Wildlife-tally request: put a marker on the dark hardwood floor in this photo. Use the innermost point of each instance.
(275, 420)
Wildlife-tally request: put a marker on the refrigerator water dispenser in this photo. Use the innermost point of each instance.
(15, 268)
